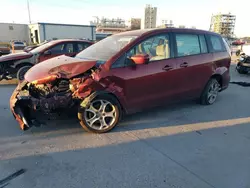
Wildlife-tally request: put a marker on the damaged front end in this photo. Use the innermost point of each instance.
(56, 89)
(30, 98)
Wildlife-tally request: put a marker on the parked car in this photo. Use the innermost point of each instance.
(16, 65)
(18, 45)
(31, 47)
(123, 74)
(4, 49)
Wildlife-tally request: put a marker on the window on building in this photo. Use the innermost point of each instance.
(216, 43)
(11, 27)
(187, 44)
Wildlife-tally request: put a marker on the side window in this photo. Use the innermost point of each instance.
(120, 62)
(69, 48)
(156, 47)
(63, 48)
(216, 43)
(203, 44)
(57, 49)
(82, 46)
(187, 44)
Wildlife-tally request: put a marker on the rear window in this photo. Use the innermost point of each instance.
(217, 43)
(18, 43)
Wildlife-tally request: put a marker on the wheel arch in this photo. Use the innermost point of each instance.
(219, 78)
(95, 94)
(23, 64)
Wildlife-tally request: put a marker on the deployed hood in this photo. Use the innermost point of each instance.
(62, 66)
(16, 56)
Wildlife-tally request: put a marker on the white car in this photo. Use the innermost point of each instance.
(18, 45)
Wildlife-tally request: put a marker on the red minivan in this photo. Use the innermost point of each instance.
(123, 74)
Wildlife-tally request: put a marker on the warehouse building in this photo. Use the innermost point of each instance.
(40, 32)
(14, 32)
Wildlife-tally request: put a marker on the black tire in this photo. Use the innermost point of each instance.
(22, 71)
(205, 96)
(241, 70)
(82, 112)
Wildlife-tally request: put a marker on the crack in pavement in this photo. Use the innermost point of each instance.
(4, 182)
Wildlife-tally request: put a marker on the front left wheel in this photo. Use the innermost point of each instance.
(21, 72)
(101, 115)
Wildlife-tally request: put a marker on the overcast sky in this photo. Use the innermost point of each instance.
(183, 12)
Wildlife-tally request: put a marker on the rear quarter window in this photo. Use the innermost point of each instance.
(217, 43)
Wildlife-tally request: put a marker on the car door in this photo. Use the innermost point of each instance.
(65, 48)
(150, 84)
(193, 64)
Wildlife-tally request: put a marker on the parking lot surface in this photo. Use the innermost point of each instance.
(182, 145)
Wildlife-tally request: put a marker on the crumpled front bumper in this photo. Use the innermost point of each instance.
(15, 106)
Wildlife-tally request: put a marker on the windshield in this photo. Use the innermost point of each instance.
(42, 47)
(106, 48)
(18, 42)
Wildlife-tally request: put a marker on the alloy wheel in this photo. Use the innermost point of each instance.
(213, 92)
(100, 114)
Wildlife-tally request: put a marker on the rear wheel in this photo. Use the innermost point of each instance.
(22, 71)
(210, 93)
(101, 115)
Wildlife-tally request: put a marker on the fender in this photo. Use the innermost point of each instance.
(220, 71)
(92, 96)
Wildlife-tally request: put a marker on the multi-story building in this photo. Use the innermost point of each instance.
(134, 23)
(223, 24)
(149, 18)
(106, 25)
(166, 24)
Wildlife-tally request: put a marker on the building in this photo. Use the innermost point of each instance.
(134, 23)
(223, 24)
(166, 24)
(149, 18)
(40, 32)
(113, 25)
(11, 31)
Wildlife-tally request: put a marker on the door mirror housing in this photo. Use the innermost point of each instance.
(140, 59)
(47, 52)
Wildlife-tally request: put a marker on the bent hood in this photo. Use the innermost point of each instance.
(62, 66)
(15, 56)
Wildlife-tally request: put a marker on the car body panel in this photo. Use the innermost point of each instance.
(15, 56)
(63, 66)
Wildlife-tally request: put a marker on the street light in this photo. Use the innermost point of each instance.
(28, 6)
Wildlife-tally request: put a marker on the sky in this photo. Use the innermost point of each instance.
(183, 12)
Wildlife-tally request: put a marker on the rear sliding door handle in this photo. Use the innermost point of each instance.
(185, 64)
(167, 68)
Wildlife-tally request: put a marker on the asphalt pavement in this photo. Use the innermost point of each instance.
(179, 146)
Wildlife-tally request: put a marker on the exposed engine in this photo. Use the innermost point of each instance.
(49, 97)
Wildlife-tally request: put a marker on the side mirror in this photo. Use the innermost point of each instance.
(140, 59)
(47, 52)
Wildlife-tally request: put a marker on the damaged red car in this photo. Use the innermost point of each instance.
(123, 74)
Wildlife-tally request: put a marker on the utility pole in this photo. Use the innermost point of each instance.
(28, 6)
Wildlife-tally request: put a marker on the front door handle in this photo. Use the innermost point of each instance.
(167, 68)
(185, 64)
